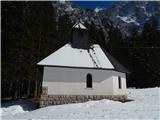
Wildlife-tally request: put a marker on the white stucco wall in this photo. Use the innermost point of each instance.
(116, 89)
(71, 81)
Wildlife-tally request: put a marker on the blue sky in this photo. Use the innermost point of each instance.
(94, 4)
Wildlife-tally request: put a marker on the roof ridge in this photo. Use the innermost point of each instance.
(80, 25)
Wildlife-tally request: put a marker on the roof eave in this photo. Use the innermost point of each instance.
(112, 69)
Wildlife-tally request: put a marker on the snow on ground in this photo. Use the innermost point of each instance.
(146, 105)
(12, 108)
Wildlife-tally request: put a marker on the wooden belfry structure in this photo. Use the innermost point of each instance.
(79, 36)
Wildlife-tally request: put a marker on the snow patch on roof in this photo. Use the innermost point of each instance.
(79, 26)
(73, 57)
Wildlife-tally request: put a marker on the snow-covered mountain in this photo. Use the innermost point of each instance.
(75, 13)
(125, 15)
(130, 14)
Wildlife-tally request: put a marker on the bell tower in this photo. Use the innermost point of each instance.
(79, 36)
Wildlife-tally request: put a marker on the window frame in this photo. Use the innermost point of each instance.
(89, 81)
(119, 82)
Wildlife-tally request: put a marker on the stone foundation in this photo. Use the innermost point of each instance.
(47, 100)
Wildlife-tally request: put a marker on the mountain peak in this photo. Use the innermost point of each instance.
(125, 15)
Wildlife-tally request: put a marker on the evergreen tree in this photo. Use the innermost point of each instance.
(116, 46)
(145, 57)
(29, 34)
(12, 30)
(96, 35)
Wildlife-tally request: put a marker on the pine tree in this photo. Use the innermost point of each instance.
(145, 57)
(29, 34)
(116, 46)
(12, 30)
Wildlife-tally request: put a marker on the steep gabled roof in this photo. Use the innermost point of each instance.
(79, 25)
(94, 58)
(73, 57)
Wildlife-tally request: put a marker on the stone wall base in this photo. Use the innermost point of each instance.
(47, 100)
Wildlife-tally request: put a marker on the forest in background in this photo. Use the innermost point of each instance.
(30, 32)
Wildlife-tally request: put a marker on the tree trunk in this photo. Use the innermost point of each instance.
(37, 78)
(15, 90)
(28, 89)
(36, 87)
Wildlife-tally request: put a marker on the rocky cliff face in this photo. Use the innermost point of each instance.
(130, 15)
(124, 15)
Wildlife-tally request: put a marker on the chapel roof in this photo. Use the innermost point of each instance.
(79, 25)
(94, 58)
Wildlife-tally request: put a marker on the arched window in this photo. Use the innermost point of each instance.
(89, 81)
(119, 82)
